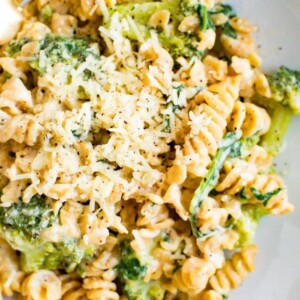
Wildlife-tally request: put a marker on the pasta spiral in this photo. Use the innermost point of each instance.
(101, 288)
(193, 276)
(10, 272)
(212, 295)
(250, 118)
(236, 175)
(154, 217)
(234, 271)
(211, 215)
(278, 204)
(208, 123)
(72, 288)
(41, 285)
(22, 129)
(244, 176)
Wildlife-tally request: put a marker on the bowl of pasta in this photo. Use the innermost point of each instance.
(148, 150)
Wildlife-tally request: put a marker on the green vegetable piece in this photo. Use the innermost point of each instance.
(54, 49)
(176, 268)
(225, 9)
(211, 179)
(228, 11)
(243, 195)
(30, 218)
(21, 226)
(130, 267)
(281, 117)
(131, 273)
(246, 226)
(236, 150)
(140, 290)
(264, 198)
(205, 18)
(15, 46)
(71, 51)
(229, 30)
(285, 87)
(175, 42)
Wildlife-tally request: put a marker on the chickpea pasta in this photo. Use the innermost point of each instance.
(136, 149)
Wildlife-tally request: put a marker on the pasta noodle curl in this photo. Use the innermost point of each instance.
(208, 124)
(234, 271)
(41, 285)
(193, 276)
(10, 272)
(72, 288)
(101, 288)
(250, 118)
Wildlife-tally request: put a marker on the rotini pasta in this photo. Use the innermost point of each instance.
(43, 284)
(133, 151)
(209, 120)
(234, 271)
(71, 288)
(10, 272)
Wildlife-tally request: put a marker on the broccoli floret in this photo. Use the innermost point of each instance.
(54, 49)
(247, 224)
(283, 104)
(131, 273)
(285, 87)
(130, 266)
(22, 224)
(281, 117)
(72, 51)
(30, 218)
(140, 290)
(175, 42)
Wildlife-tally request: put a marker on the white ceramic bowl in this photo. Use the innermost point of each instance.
(277, 275)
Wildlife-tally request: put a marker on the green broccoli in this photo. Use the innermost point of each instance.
(281, 117)
(247, 224)
(130, 267)
(228, 146)
(22, 224)
(140, 290)
(285, 88)
(283, 104)
(131, 273)
(175, 42)
(54, 49)
(30, 218)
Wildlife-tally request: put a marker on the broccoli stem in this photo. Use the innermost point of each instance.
(281, 119)
(211, 179)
